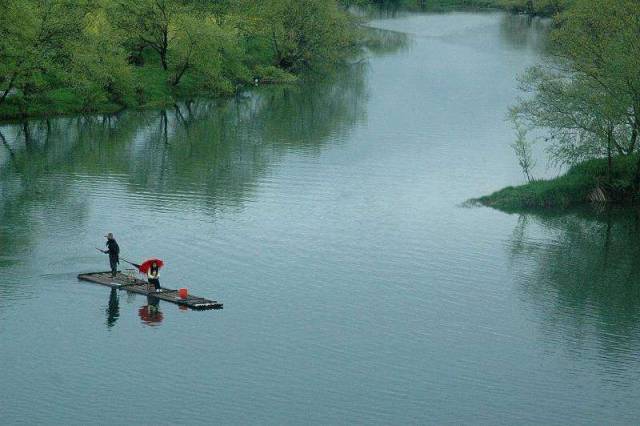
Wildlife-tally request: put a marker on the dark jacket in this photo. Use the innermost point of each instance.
(114, 250)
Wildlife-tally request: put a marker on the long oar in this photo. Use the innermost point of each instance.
(123, 259)
(130, 263)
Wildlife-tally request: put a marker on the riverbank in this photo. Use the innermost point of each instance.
(583, 183)
(153, 90)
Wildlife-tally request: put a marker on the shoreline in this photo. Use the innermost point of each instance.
(168, 100)
(116, 109)
(584, 183)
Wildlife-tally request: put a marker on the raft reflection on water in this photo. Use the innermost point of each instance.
(150, 313)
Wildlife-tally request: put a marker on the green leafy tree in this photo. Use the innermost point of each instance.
(305, 33)
(194, 47)
(522, 148)
(35, 39)
(100, 72)
(80, 55)
(589, 98)
(148, 23)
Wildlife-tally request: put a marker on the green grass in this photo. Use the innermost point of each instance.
(570, 189)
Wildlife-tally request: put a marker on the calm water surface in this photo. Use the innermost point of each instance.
(328, 219)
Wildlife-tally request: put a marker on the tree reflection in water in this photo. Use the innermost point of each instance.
(580, 269)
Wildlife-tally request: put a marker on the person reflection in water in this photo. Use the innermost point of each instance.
(150, 314)
(113, 309)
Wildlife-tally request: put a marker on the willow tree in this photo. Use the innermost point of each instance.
(99, 71)
(34, 40)
(210, 52)
(588, 98)
(47, 45)
(303, 33)
(148, 23)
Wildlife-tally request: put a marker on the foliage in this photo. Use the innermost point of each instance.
(99, 71)
(522, 149)
(108, 54)
(272, 74)
(303, 33)
(588, 98)
(36, 39)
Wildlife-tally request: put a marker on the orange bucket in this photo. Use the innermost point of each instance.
(183, 293)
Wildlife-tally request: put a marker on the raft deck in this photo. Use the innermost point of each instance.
(134, 285)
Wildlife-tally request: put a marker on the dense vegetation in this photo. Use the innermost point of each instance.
(587, 102)
(59, 56)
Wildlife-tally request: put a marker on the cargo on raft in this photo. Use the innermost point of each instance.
(134, 285)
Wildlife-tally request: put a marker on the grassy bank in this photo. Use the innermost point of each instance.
(583, 183)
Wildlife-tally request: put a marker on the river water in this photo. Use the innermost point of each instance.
(328, 219)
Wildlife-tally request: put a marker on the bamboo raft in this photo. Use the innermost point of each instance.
(134, 285)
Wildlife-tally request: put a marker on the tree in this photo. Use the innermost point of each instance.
(99, 69)
(522, 149)
(303, 33)
(34, 40)
(196, 45)
(589, 97)
(148, 23)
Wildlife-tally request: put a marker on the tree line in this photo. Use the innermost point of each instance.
(84, 55)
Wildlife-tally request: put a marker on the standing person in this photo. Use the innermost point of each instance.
(113, 250)
(153, 276)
